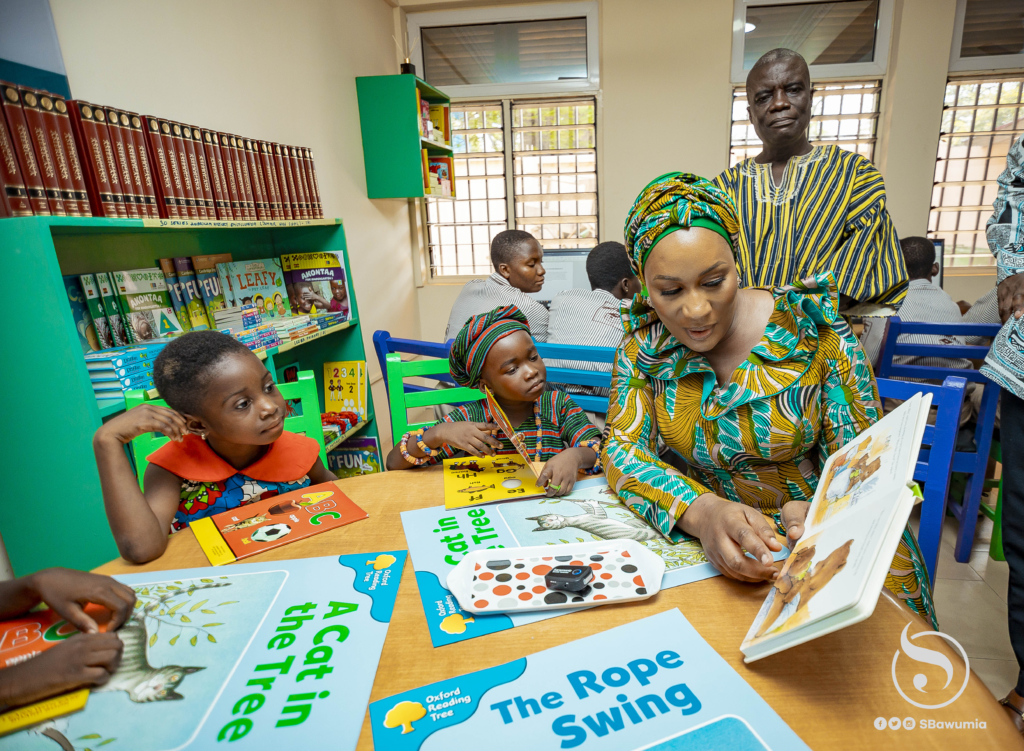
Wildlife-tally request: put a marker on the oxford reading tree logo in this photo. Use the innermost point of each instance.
(930, 657)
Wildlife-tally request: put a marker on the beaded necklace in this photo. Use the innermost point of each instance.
(515, 436)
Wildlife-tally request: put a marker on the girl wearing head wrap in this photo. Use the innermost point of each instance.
(495, 349)
(754, 389)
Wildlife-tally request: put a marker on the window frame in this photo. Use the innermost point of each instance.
(874, 69)
(959, 64)
(541, 12)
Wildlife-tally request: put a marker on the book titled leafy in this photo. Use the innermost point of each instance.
(208, 282)
(833, 576)
(272, 522)
(144, 295)
(259, 282)
(317, 282)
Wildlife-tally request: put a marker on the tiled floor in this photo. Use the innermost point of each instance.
(970, 600)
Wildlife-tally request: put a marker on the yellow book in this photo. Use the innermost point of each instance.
(345, 387)
(47, 709)
(472, 481)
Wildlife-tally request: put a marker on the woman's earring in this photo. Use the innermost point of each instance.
(203, 435)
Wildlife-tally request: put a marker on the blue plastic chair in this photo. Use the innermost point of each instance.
(972, 464)
(935, 462)
(385, 344)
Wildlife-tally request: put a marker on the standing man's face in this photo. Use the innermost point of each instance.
(779, 101)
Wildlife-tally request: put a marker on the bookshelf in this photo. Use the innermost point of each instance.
(52, 511)
(392, 144)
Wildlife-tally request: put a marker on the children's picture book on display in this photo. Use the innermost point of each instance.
(272, 655)
(650, 685)
(84, 326)
(144, 296)
(356, 456)
(438, 538)
(208, 282)
(116, 310)
(260, 282)
(256, 527)
(833, 576)
(317, 283)
(345, 387)
(475, 481)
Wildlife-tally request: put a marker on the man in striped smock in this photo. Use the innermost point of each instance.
(804, 209)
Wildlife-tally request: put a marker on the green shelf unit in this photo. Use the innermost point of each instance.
(392, 145)
(52, 511)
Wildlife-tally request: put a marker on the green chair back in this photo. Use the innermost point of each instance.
(308, 423)
(401, 402)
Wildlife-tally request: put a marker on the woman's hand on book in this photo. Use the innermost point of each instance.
(794, 514)
(79, 661)
(476, 438)
(728, 531)
(67, 592)
(146, 418)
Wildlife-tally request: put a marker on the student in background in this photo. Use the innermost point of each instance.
(81, 661)
(518, 269)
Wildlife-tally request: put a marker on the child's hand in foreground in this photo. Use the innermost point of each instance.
(80, 661)
(67, 591)
(476, 438)
(559, 473)
(146, 418)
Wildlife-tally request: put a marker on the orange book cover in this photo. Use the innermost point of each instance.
(256, 527)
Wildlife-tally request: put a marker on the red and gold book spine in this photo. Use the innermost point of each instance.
(313, 183)
(184, 133)
(97, 179)
(194, 149)
(195, 210)
(293, 186)
(132, 201)
(137, 153)
(73, 152)
(227, 174)
(21, 137)
(270, 177)
(170, 146)
(13, 196)
(117, 186)
(61, 163)
(167, 197)
(300, 185)
(310, 201)
(242, 172)
(282, 181)
(258, 192)
(44, 154)
(121, 136)
(221, 200)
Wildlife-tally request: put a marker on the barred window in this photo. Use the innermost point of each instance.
(842, 113)
(980, 121)
(546, 185)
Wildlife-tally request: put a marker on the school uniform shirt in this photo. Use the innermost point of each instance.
(209, 485)
(481, 295)
(986, 310)
(584, 317)
(925, 302)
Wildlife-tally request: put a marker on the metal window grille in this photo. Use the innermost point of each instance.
(546, 184)
(842, 113)
(980, 121)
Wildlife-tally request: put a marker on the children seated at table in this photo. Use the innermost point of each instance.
(495, 349)
(518, 269)
(228, 445)
(80, 661)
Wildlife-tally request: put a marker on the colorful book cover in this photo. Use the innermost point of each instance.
(177, 293)
(263, 656)
(208, 282)
(190, 294)
(442, 182)
(438, 538)
(356, 456)
(345, 387)
(94, 304)
(475, 481)
(119, 330)
(144, 296)
(260, 282)
(652, 684)
(499, 416)
(80, 313)
(317, 282)
(256, 527)
(439, 118)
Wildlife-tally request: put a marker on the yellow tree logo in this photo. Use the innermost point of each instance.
(403, 715)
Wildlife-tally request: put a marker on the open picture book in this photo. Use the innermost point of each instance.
(835, 572)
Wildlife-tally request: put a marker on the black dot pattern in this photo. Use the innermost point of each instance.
(563, 558)
(503, 577)
(554, 598)
(498, 565)
(629, 568)
(597, 557)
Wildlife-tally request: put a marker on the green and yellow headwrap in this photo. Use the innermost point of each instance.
(475, 339)
(675, 201)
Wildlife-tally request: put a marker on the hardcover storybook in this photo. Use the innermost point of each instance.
(258, 282)
(317, 282)
(356, 456)
(147, 303)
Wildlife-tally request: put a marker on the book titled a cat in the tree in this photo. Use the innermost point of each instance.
(835, 572)
(272, 522)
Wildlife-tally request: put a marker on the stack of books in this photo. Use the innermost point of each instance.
(114, 371)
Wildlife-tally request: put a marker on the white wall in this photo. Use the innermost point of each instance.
(277, 71)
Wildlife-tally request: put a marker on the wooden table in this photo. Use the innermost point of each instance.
(830, 690)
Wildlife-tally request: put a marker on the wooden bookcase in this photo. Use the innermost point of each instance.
(51, 513)
(392, 145)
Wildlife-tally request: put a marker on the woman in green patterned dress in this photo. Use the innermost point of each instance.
(754, 388)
